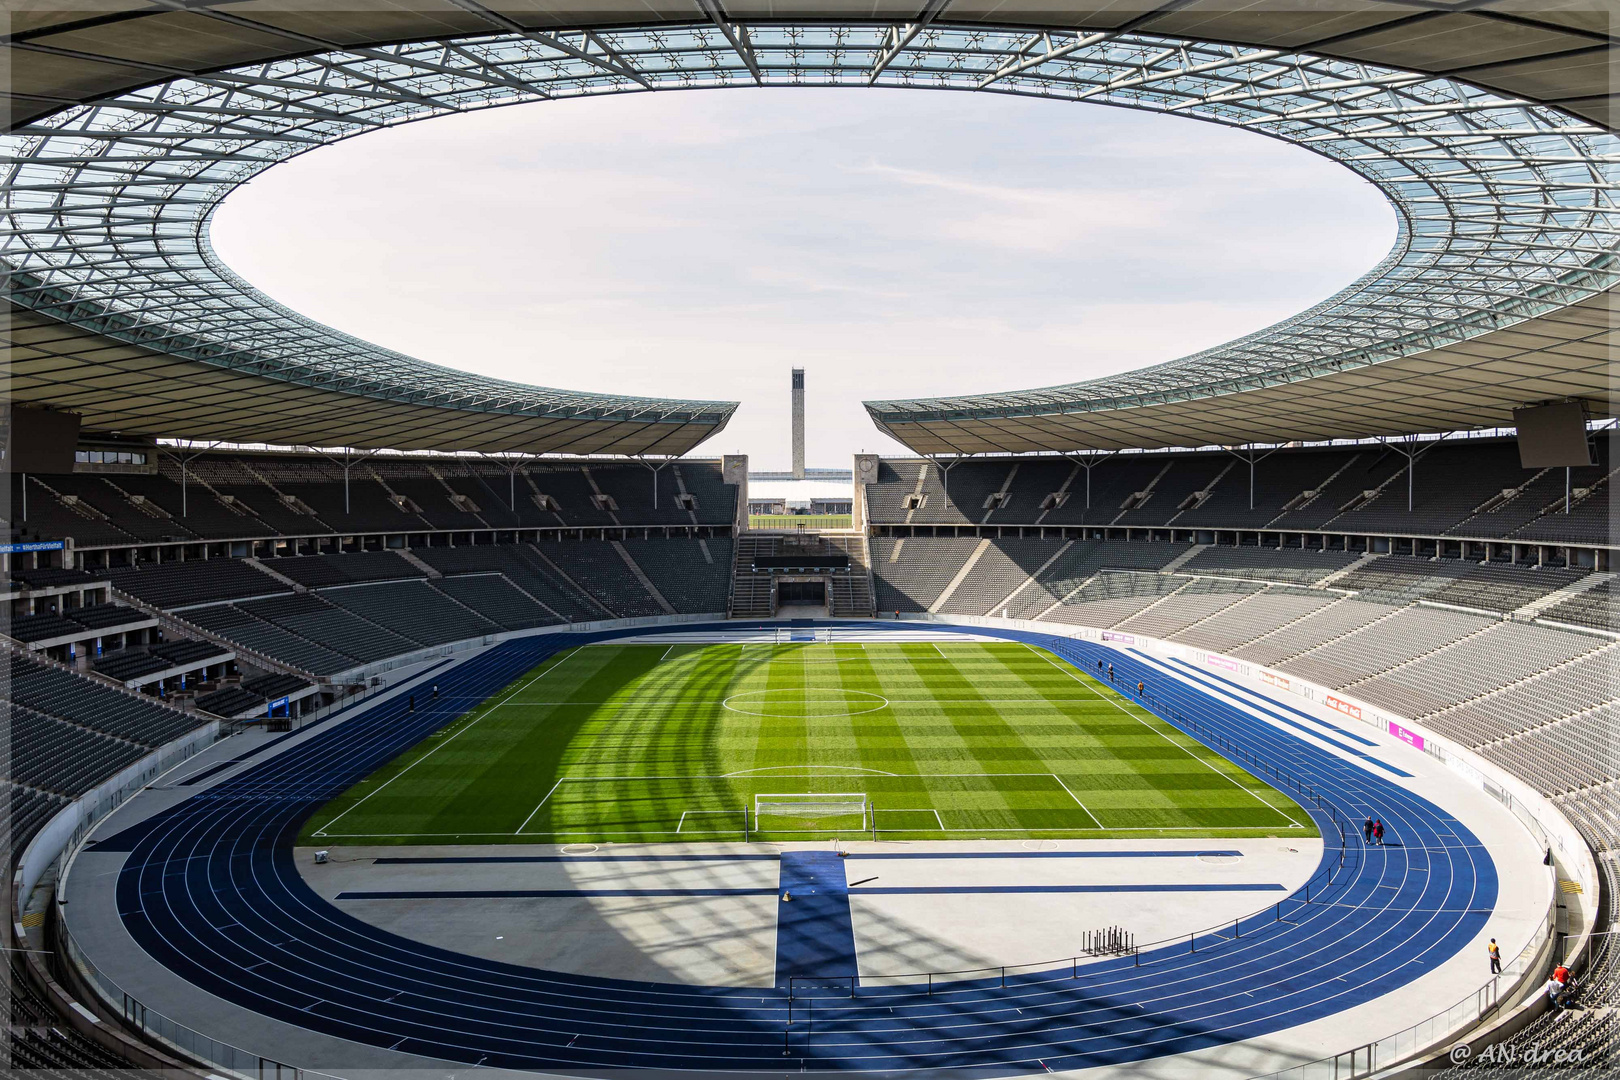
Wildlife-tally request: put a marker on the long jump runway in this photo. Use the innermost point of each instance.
(210, 890)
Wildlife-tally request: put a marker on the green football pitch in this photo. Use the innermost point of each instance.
(914, 740)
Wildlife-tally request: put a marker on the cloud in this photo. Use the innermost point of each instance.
(1025, 218)
(699, 245)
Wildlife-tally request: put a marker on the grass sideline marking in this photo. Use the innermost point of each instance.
(1076, 798)
(876, 810)
(972, 830)
(626, 704)
(1249, 791)
(681, 824)
(488, 713)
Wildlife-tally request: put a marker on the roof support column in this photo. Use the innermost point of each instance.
(945, 471)
(655, 471)
(1089, 461)
(1412, 459)
(1248, 455)
(348, 461)
(184, 460)
(511, 478)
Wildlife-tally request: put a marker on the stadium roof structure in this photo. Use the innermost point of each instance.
(1485, 123)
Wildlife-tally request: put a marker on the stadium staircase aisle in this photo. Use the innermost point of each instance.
(210, 890)
(752, 594)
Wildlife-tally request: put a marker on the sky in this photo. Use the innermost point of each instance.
(701, 244)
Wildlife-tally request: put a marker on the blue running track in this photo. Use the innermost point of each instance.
(210, 890)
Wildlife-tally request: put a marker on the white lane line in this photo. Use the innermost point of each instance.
(1255, 796)
(538, 805)
(1076, 798)
(453, 738)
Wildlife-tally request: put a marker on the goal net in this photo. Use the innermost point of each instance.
(811, 812)
(789, 634)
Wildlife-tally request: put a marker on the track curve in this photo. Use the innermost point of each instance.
(210, 890)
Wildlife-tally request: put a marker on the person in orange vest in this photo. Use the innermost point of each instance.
(1495, 951)
(1141, 689)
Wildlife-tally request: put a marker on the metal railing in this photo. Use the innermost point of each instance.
(170, 1033)
(1431, 1031)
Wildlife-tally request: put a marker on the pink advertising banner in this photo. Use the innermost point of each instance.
(1410, 738)
(1221, 662)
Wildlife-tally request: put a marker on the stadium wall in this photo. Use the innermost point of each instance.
(75, 820)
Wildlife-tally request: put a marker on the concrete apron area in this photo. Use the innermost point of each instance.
(715, 914)
(673, 937)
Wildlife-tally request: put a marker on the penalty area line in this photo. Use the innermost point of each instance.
(538, 805)
(1076, 798)
(1218, 772)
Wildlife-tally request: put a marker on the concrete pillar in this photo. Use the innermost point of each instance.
(866, 472)
(798, 423)
(734, 471)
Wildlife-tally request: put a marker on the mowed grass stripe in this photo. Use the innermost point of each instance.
(983, 740)
(386, 802)
(637, 742)
(1131, 777)
(1171, 764)
(654, 770)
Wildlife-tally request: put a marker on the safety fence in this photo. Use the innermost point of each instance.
(167, 1032)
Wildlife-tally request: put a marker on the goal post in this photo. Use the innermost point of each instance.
(803, 635)
(812, 812)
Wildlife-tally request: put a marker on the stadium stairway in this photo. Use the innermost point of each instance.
(209, 889)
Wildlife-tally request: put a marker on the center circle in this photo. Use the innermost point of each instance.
(805, 701)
